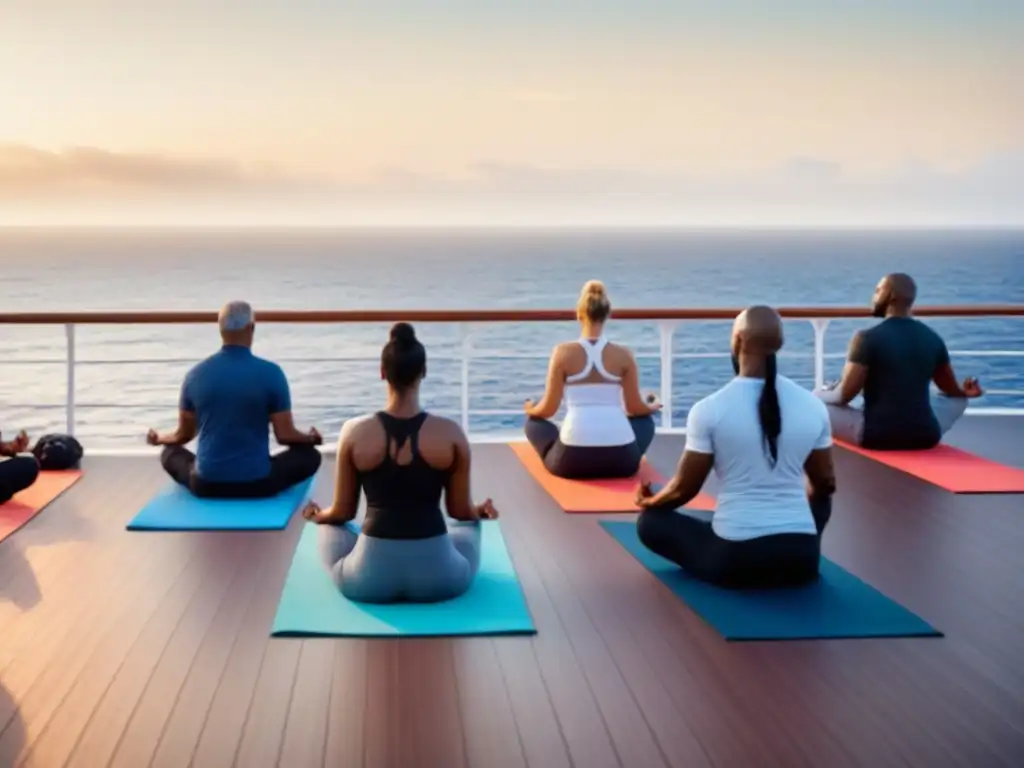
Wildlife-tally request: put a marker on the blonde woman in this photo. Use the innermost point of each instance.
(608, 426)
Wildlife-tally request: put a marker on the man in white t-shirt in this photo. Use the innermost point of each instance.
(767, 438)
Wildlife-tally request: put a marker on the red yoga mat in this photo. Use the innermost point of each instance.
(595, 496)
(30, 502)
(949, 468)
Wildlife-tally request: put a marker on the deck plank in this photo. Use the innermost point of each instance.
(130, 649)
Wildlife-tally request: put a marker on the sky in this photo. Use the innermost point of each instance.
(394, 112)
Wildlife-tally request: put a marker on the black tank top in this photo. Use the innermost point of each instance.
(403, 501)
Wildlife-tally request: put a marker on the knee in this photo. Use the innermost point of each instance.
(314, 459)
(533, 425)
(309, 456)
(27, 470)
(166, 456)
(648, 530)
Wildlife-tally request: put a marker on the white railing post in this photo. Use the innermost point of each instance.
(69, 406)
(465, 332)
(820, 325)
(667, 330)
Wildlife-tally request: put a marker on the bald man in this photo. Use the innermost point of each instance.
(769, 441)
(228, 400)
(894, 363)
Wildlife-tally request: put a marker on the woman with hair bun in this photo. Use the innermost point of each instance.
(608, 426)
(403, 458)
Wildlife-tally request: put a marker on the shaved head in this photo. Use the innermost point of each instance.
(894, 294)
(757, 331)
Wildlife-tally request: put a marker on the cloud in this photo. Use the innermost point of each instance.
(802, 189)
(540, 96)
(86, 172)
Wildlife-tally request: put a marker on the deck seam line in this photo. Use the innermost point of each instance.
(622, 675)
(579, 666)
(96, 648)
(235, 570)
(493, 646)
(170, 713)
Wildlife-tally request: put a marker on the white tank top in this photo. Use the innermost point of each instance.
(595, 415)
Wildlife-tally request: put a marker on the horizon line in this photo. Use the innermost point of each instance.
(524, 227)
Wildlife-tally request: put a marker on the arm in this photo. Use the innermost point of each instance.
(821, 474)
(634, 400)
(15, 446)
(945, 379)
(553, 391)
(855, 373)
(346, 480)
(186, 430)
(695, 465)
(281, 415)
(458, 497)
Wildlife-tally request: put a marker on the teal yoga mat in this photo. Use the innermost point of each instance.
(838, 605)
(175, 509)
(312, 606)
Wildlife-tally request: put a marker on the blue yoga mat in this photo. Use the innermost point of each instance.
(838, 605)
(175, 509)
(494, 605)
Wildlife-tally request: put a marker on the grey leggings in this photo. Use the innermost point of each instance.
(371, 570)
(848, 421)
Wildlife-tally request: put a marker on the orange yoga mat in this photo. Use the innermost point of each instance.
(27, 504)
(595, 496)
(949, 468)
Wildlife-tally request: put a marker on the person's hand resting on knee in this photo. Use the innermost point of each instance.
(330, 516)
(18, 445)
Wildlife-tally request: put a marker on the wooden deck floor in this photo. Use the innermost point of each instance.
(132, 649)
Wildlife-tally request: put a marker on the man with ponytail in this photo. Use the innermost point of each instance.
(894, 364)
(768, 440)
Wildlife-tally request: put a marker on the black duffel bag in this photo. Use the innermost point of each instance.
(58, 452)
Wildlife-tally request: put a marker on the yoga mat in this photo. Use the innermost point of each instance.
(175, 509)
(949, 468)
(30, 502)
(595, 496)
(838, 605)
(312, 606)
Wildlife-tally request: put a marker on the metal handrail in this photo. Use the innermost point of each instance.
(667, 320)
(177, 317)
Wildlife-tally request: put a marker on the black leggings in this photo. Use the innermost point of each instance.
(288, 468)
(779, 560)
(16, 474)
(585, 462)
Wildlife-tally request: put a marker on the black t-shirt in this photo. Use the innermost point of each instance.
(902, 355)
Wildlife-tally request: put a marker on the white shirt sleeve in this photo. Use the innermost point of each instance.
(825, 435)
(700, 428)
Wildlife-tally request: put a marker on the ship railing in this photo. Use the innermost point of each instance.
(469, 322)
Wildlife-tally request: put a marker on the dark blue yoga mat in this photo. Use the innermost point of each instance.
(175, 509)
(838, 605)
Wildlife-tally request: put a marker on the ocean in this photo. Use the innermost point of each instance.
(334, 370)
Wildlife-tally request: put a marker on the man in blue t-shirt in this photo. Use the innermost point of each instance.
(228, 400)
(894, 363)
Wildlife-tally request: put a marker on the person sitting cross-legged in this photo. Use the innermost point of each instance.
(228, 400)
(18, 469)
(894, 364)
(608, 426)
(404, 460)
(763, 434)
